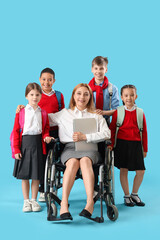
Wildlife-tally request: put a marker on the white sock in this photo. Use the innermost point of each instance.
(33, 199)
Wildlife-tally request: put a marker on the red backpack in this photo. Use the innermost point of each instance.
(21, 123)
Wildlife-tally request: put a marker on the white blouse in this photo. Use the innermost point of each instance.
(64, 120)
(32, 121)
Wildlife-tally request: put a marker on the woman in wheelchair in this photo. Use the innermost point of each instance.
(81, 106)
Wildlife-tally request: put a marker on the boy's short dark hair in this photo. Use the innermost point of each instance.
(33, 86)
(48, 70)
(99, 60)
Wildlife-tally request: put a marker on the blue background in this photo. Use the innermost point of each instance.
(66, 36)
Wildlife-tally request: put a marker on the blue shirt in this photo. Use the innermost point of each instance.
(106, 98)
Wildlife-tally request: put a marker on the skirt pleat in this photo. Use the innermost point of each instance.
(129, 154)
(31, 164)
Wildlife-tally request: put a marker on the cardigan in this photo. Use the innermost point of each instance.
(17, 141)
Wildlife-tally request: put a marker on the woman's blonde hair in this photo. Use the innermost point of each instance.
(90, 106)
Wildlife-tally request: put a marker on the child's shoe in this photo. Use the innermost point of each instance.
(128, 201)
(41, 197)
(35, 206)
(136, 199)
(27, 207)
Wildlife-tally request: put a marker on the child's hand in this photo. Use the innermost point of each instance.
(99, 112)
(144, 154)
(18, 156)
(19, 107)
(110, 147)
(78, 136)
(48, 139)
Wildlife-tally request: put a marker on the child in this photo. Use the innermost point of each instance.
(100, 87)
(129, 152)
(52, 102)
(29, 146)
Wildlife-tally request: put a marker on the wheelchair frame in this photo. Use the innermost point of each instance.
(52, 183)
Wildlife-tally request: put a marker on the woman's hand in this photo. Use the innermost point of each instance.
(78, 136)
(48, 139)
(18, 156)
(19, 107)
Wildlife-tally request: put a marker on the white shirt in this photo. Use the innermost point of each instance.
(32, 121)
(64, 120)
(132, 109)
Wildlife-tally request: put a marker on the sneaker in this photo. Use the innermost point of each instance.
(136, 199)
(27, 207)
(42, 197)
(35, 206)
(128, 201)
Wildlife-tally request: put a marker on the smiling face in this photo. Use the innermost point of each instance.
(99, 72)
(33, 98)
(81, 98)
(47, 80)
(128, 97)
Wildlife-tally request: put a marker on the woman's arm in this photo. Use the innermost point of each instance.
(103, 132)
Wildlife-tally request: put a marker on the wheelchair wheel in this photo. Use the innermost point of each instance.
(112, 212)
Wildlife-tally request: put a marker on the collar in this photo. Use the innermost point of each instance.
(49, 94)
(132, 109)
(76, 110)
(100, 83)
(29, 107)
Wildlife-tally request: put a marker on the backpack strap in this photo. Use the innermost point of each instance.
(120, 119)
(58, 95)
(21, 118)
(110, 90)
(139, 112)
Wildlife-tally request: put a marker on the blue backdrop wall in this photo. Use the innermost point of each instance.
(66, 36)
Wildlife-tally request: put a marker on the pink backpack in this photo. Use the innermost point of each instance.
(21, 123)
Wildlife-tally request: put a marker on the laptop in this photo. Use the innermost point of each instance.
(86, 126)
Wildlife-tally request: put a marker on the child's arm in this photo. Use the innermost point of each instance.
(145, 137)
(16, 139)
(104, 112)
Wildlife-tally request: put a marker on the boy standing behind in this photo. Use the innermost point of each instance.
(52, 102)
(105, 94)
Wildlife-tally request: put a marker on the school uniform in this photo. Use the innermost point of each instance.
(128, 152)
(101, 96)
(29, 141)
(49, 103)
(64, 120)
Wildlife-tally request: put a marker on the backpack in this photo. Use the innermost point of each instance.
(58, 95)
(110, 90)
(120, 119)
(21, 123)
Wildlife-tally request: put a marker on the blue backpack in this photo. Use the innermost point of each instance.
(58, 95)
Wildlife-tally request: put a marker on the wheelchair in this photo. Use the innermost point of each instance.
(104, 182)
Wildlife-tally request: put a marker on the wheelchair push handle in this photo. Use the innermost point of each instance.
(55, 140)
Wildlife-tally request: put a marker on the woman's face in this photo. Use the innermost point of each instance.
(81, 97)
